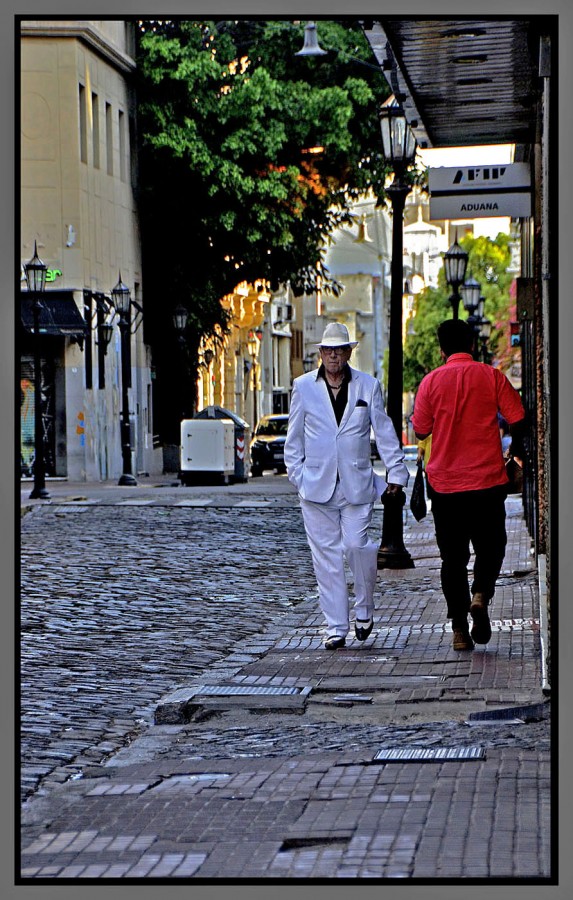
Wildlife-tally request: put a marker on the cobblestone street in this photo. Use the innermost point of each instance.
(122, 604)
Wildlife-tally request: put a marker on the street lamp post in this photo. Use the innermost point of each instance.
(36, 271)
(121, 300)
(455, 264)
(470, 293)
(187, 407)
(399, 146)
(253, 344)
(484, 335)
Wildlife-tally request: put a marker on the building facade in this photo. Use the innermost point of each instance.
(77, 205)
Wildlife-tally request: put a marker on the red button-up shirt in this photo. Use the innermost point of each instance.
(458, 405)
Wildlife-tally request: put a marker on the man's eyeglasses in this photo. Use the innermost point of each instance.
(338, 351)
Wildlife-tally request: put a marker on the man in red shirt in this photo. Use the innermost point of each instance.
(458, 404)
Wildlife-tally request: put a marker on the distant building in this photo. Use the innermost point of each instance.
(359, 258)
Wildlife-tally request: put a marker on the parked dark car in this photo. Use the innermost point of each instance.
(268, 444)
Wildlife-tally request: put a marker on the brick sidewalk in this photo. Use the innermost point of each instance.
(323, 817)
(447, 803)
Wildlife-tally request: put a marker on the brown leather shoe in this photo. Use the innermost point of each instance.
(481, 630)
(462, 639)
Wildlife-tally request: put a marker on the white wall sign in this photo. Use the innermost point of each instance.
(478, 191)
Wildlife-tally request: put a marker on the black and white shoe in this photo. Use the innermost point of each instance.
(336, 642)
(362, 628)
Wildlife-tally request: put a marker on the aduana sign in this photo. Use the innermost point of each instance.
(480, 191)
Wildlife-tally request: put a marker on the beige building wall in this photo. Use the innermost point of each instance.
(77, 201)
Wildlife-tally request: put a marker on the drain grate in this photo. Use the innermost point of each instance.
(185, 702)
(423, 754)
(224, 690)
(527, 713)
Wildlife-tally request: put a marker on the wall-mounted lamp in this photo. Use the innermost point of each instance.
(100, 320)
(105, 333)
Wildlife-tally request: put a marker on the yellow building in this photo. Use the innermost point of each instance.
(230, 365)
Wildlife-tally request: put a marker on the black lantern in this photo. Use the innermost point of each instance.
(484, 333)
(36, 271)
(455, 265)
(485, 329)
(121, 300)
(398, 141)
(180, 316)
(470, 292)
(105, 333)
(187, 391)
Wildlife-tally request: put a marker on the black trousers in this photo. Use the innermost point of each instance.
(461, 519)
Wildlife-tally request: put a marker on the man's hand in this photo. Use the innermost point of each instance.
(394, 489)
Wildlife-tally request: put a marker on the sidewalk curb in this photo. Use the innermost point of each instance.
(544, 623)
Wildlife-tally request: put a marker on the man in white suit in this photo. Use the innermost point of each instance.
(327, 456)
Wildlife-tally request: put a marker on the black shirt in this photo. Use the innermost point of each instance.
(341, 399)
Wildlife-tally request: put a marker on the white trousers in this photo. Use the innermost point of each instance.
(335, 530)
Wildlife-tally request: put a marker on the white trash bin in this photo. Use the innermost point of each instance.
(207, 451)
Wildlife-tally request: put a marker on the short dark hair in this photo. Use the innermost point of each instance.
(455, 336)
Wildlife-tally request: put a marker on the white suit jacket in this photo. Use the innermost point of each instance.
(317, 449)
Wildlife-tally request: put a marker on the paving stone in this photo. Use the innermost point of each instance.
(257, 793)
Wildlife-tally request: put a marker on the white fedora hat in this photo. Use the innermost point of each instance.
(336, 335)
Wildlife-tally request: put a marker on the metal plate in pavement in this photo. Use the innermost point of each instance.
(426, 754)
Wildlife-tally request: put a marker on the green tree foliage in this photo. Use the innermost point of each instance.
(421, 350)
(487, 263)
(231, 189)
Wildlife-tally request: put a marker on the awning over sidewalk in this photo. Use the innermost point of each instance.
(464, 81)
(59, 314)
